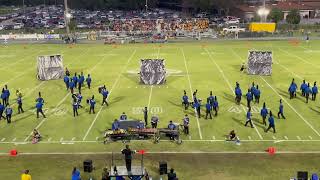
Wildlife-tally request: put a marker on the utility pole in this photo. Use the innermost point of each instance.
(66, 16)
(146, 5)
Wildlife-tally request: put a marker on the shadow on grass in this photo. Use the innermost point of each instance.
(240, 122)
(176, 104)
(317, 111)
(258, 123)
(229, 97)
(22, 118)
(117, 99)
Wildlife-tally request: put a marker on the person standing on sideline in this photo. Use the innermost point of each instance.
(39, 106)
(264, 113)
(79, 99)
(8, 112)
(26, 175)
(185, 100)
(75, 106)
(249, 118)
(66, 81)
(271, 123)
(1, 111)
(249, 98)
(75, 174)
(127, 152)
(314, 91)
(154, 121)
(211, 99)
(208, 110)
(281, 110)
(88, 80)
(145, 115)
(292, 89)
(308, 91)
(186, 122)
(92, 103)
(19, 102)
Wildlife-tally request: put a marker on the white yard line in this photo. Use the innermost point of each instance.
(113, 86)
(298, 57)
(150, 95)
(16, 62)
(231, 89)
(191, 91)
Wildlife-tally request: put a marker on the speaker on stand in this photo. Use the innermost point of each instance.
(302, 175)
(87, 166)
(163, 167)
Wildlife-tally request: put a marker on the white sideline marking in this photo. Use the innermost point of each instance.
(187, 140)
(298, 137)
(150, 95)
(49, 139)
(310, 137)
(191, 91)
(249, 137)
(61, 139)
(166, 152)
(273, 137)
(231, 89)
(74, 138)
(292, 107)
(97, 138)
(286, 137)
(213, 137)
(113, 86)
(14, 139)
(3, 139)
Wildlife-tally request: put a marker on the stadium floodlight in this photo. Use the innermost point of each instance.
(263, 13)
(68, 15)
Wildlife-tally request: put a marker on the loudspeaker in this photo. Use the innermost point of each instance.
(87, 166)
(163, 167)
(302, 175)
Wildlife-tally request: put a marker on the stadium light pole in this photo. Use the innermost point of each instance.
(263, 12)
(67, 16)
(146, 5)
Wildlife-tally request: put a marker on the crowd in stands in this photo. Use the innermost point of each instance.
(151, 25)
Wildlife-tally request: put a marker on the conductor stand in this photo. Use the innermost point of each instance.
(136, 173)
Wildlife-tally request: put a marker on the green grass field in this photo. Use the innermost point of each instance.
(206, 66)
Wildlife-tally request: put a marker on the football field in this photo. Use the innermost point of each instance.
(205, 66)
